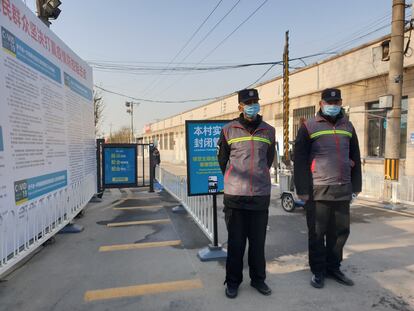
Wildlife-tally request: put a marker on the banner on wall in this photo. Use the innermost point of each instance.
(47, 134)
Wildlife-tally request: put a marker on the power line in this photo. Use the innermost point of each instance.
(258, 79)
(237, 28)
(350, 39)
(218, 45)
(185, 45)
(209, 32)
(160, 101)
(203, 99)
(341, 45)
(144, 69)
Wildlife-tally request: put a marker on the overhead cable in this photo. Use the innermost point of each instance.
(186, 44)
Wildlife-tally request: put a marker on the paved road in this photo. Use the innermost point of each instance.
(151, 264)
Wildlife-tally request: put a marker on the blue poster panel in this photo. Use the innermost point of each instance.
(120, 166)
(204, 176)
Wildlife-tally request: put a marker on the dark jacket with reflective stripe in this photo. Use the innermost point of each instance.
(246, 152)
(327, 159)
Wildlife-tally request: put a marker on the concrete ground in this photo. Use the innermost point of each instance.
(151, 264)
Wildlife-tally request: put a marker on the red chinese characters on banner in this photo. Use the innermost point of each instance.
(16, 15)
(6, 8)
(32, 30)
(26, 24)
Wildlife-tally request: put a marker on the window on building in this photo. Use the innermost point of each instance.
(377, 127)
(160, 141)
(166, 141)
(172, 142)
(300, 115)
(385, 47)
(223, 107)
(376, 130)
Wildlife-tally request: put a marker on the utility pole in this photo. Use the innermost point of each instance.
(286, 157)
(395, 82)
(130, 110)
(110, 132)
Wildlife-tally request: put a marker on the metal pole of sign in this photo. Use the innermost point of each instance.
(152, 169)
(99, 143)
(213, 252)
(215, 237)
(143, 165)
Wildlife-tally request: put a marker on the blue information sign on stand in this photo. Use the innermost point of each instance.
(204, 176)
(119, 165)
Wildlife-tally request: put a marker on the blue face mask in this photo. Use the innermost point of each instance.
(331, 110)
(251, 110)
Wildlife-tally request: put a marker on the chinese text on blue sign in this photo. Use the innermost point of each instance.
(203, 171)
(120, 166)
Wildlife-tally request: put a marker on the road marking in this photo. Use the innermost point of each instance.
(137, 207)
(140, 290)
(124, 247)
(141, 222)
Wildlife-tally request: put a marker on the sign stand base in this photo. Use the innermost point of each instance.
(179, 209)
(212, 253)
(71, 228)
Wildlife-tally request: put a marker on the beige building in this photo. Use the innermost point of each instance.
(361, 74)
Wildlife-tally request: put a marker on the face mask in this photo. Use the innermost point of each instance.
(331, 110)
(251, 110)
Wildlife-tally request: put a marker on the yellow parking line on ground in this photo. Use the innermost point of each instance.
(124, 247)
(136, 207)
(141, 222)
(140, 290)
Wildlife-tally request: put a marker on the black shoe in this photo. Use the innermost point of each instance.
(338, 276)
(262, 288)
(231, 291)
(318, 280)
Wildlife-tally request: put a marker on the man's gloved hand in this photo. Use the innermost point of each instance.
(354, 196)
(303, 197)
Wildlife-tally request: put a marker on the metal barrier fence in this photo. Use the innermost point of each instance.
(405, 190)
(373, 186)
(23, 230)
(402, 191)
(199, 207)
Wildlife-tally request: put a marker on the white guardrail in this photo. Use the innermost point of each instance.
(402, 191)
(199, 207)
(23, 230)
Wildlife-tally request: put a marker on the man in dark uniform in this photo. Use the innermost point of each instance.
(327, 173)
(246, 152)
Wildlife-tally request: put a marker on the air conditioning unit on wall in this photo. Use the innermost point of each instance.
(385, 101)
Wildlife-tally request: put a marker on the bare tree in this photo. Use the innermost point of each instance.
(98, 109)
(121, 136)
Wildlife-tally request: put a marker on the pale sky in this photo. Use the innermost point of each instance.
(152, 33)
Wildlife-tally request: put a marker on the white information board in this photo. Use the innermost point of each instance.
(47, 137)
